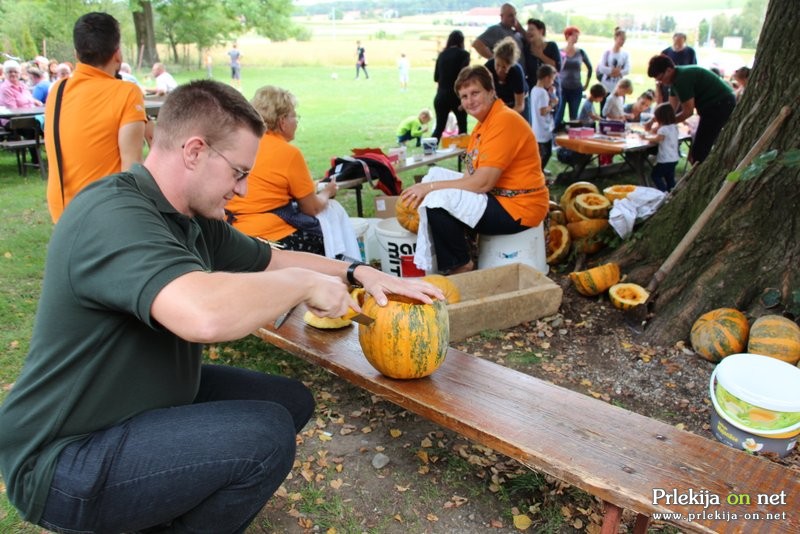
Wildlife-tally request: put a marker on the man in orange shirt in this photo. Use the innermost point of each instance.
(101, 120)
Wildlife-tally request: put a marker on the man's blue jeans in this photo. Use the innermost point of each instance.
(205, 467)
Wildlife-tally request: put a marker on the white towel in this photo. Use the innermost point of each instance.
(337, 231)
(466, 206)
(640, 204)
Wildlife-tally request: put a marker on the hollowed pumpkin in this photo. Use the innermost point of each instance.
(450, 290)
(618, 192)
(592, 205)
(407, 216)
(557, 217)
(558, 244)
(719, 333)
(594, 281)
(573, 190)
(573, 215)
(587, 228)
(626, 296)
(408, 339)
(775, 336)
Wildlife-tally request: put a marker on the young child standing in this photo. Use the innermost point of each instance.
(542, 105)
(663, 175)
(597, 93)
(413, 127)
(615, 104)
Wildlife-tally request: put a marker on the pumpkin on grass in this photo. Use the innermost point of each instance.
(407, 216)
(573, 190)
(592, 205)
(409, 339)
(627, 296)
(448, 287)
(719, 333)
(558, 243)
(775, 336)
(594, 281)
(618, 192)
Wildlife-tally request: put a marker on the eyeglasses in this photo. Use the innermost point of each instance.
(239, 174)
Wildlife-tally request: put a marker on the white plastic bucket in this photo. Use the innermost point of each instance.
(372, 248)
(526, 247)
(397, 246)
(360, 228)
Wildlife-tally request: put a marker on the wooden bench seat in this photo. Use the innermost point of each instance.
(614, 454)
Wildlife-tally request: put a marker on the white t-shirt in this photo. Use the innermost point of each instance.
(668, 148)
(614, 108)
(165, 82)
(542, 124)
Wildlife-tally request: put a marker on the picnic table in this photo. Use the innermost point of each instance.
(633, 147)
(412, 162)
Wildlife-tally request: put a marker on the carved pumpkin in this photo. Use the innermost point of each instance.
(775, 336)
(592, 205)
(618, 192)
(596, 280)
(557, 217)
(719, 333)
(408, 339)
(573, 215)
(626, 296)
(587, 228)
(407, 217)
(573, 190)
(450, 290)
(558, 244)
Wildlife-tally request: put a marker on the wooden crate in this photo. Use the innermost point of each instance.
(501, 297)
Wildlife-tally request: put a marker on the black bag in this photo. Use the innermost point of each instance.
(292, 215)
(376, 168)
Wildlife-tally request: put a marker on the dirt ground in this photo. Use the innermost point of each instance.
(434, 481)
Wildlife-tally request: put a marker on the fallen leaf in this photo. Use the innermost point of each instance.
(496, 523)
(7, 255)
(522, 522)
(398, 518)
(395, 433)
(426, 443)
(431, 517)
(336, 484)
(578, 524)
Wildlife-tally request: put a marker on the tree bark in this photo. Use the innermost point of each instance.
(752, 241)
(146, 51)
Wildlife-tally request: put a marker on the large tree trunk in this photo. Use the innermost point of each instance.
(146, 51)
(752, 241)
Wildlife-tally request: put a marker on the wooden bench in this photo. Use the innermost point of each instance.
(614, 454)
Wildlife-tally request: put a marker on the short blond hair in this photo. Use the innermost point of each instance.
(273, 104)
(507, 50)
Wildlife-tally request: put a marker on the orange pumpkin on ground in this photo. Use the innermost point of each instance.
(587, 228)
(719, 333)
(573, 215)
(573, 190)
(627, 296)
(409, 339)
(594, 281)
(407, 216)
(558, 244)
(450, 290)
(775, 336)
(592, 205)
(618, 192)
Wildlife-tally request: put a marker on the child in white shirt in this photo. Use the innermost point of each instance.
(663, 174)
(542, 105)
(614, 108)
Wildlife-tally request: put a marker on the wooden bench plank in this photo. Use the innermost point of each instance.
(617, 455)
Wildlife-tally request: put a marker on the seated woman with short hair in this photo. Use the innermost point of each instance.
(502, 163)
(282, 204)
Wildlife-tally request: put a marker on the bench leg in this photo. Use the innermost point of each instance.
(642, 521)
(611, 519)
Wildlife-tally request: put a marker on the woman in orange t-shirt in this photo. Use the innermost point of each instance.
(281, 201)
(502, 160)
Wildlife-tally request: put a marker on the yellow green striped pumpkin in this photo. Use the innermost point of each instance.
(775, 336)
(627, 296)
(719, 333)
(592, 205)
(409, 339)
(596, 280)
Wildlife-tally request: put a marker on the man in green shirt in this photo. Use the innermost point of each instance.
(114, 425)
(694, 87)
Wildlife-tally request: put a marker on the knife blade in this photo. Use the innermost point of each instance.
(362, 319)
(282, 317)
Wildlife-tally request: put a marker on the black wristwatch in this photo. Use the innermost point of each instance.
(351, 278)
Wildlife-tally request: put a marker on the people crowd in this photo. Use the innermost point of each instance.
(144, 263)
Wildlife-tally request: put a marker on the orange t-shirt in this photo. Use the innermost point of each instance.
(279, 175)
(94, 107)
(505, 140)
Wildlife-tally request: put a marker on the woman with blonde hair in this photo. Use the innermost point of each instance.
(282, 204)
(508, 76)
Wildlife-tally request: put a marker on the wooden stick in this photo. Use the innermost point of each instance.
(718, 199)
